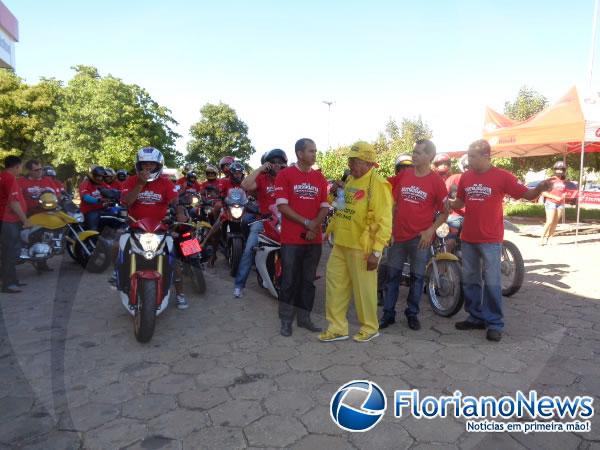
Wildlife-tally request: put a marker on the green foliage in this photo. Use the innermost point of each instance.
(528, 103)
(27, 114)
(537, 210)
(104, 121)
(395, 140)
(218, 133)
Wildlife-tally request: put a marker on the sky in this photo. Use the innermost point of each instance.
(276, 62)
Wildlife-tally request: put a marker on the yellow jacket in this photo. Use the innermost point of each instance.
(359, 228)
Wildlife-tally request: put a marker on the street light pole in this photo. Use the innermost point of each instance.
(328, 103)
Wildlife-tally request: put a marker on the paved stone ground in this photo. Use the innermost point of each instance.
(219, 375)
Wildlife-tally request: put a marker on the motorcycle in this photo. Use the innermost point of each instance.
(442, 276)
(512, 266)
(52, 230)
(145, 273)
(267, 258)
(232, 230)
(190, 252)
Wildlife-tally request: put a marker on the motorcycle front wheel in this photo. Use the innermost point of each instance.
(512, 269)
(235, 250)
(144, 318)
(445, 297)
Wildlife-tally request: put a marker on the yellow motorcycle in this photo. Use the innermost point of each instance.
(52, 230)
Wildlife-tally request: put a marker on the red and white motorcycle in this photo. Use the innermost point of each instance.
(267, 258)
(145, 273)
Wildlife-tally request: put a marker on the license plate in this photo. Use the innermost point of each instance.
(190, 247)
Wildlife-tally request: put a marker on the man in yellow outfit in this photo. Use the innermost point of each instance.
(361, 229)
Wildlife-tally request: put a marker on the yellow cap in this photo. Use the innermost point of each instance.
(364, 151)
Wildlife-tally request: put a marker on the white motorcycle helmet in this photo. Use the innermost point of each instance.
(463, 163)
(150, 154)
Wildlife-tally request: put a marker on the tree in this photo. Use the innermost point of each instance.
(528, 103)
(395, 140)
(27, 113)
(104, 121)
(218, 133)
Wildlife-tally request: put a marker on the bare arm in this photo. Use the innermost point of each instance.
(457, 203)
(249, 182)
(289, 213)
(534, 193)
(16, 207)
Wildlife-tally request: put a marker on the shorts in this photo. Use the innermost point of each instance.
(552, 205)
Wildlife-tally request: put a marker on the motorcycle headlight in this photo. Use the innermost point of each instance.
(149, 243)
(236, 211)
(443, 230)
(195, 200)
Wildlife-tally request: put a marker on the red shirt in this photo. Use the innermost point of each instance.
(153, 200)
(453, 180)
(558, 188)
(417, 200)
(9, 192)
(32, 189)
(88, 188)
(58, 185)
(305, 193)
(265, 192)
(483, 194)
(212, 193)
(183, 186)
(226, 184)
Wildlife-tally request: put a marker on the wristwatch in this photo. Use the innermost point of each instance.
(306, 222)
(377, 254)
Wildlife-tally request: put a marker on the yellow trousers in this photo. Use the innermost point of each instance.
(347, 276)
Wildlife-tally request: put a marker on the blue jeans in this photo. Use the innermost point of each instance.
(397, 255)
(482, 283)
(248, 255)
(92, 219)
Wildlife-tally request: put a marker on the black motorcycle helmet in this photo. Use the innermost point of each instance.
(121, 175)
(560, 169)
(96, 174)
(263, 158)
(191, 177)
(276, 156)
(236, 172)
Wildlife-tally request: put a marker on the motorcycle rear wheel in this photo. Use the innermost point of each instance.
(197, 275)
(512, 269)
(445, 299)
(100, 259)
(144, 318)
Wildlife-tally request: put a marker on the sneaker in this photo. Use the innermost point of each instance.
(181, 302)
(413, 323)
(494, 335)
(237, 292)
(328, 336)
(468, 325)
(362, 336)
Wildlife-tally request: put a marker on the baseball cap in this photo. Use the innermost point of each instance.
(364, 151)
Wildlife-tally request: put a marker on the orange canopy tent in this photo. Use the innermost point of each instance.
(557, 130)
(571, 125)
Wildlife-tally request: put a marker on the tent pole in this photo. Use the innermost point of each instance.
(579, 187)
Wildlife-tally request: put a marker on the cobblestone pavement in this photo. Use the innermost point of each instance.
(219, 376)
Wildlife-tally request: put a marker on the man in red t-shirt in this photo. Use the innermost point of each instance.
(12, 215)
(50, 174)
(261, 181)
(481, 191)
(34, 185)
(148, 196)
(188, 186)
(301, 197)
(92, 201)
(419, 194)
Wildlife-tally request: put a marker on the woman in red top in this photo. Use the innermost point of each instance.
(554, 201)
